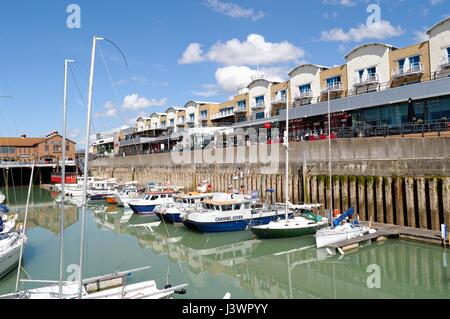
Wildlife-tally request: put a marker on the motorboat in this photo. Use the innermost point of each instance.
(149, 201)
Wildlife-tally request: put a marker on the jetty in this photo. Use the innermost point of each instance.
(384, 232)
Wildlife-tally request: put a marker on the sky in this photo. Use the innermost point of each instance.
(176, 51)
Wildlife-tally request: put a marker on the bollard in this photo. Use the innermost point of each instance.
(444, 234)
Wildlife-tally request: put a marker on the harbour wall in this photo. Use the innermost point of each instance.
(402, 181)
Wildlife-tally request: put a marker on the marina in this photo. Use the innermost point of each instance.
(214, 264)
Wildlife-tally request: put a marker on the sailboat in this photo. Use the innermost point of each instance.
(305, 224)
(340, 228)
(112, 286)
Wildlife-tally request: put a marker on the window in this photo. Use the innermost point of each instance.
(7, 150)
(415, 60)
(241, 105)
(204, 115)
(67, 148)
(46, 148)
(181, 120)
(333, 81)
(172, 122)
(372, 71)
(305, 88)
(259, 100)
(163, 124)
(192, 117)
(260, 115)
(56, 148)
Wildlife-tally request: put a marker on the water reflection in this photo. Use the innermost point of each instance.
(233, 262)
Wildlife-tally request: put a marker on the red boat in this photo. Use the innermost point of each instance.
(57, 179)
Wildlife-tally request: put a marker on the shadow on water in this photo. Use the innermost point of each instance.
(231, 262)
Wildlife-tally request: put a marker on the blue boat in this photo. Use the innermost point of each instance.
(229, 213)
(183, 204)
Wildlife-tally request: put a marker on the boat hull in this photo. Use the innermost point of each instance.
(9, 260)
(170, 218)
(143, 209)
(324, 241)
(265, 233)
(229, 226)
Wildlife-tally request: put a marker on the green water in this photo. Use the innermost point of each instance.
(219, 263)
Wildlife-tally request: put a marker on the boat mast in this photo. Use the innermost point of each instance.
(24, 227)
(329, 152)
(63, 181)
(86, 164)
(286, 143)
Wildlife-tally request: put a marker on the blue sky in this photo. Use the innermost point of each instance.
(177, 50)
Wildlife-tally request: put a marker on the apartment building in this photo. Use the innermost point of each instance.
(410, 65)
(368, 68)
(439, 40)
(305, 84)
(378, 85)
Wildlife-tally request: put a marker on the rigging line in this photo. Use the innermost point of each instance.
(80, 94)
(108, 71)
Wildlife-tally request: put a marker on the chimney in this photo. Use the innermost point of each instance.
(23, 136)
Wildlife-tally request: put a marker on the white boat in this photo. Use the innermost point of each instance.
(150, 201)
(126, 195)
(10, 244)
(346, 231)
(183, 204)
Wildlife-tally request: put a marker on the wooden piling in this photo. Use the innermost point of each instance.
(399, 201)
(314, 198)
(380, 194)
(422, 202)
(446, 200)
(434, 204)
(344, 192)
(370, 198)
(362, 211)
(388, 200)
(410, 205)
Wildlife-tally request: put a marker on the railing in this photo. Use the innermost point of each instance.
(223, 114)
(304, 95)
(279, 99)
(414, 68)
(258, 105)
(241, 110)
(180, 123)
(370, 79)
(445, 61)
(333, 87)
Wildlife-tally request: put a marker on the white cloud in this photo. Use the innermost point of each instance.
(379, 31)
(135, 102)
(236, 52)
(436, 2)
(229, 78)
(420, 36)
(110, 110)
(209, 90)
(344, 3)
(234, 10)
(134, 79)
(193, 54)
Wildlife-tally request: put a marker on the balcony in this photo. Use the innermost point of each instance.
(335, 87)
(367, 80)
(240, 110)
(445, 62)
(408, 71)
(258, 105)
(222, 114)
(279, 100)
(180, 123)
(304, 95)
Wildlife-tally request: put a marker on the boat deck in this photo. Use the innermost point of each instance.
(385, 231)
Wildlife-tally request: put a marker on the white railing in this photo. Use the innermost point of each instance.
(279, 99)
(304, 95)
(223, 114)
(369, 79)
(414, 68)
(445, 61)
(180, 123)
(241, 110)
(333, 87)
(258, 105)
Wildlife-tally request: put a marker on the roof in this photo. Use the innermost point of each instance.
(369, 44)
(26, 141)
(223, 202)
(438, 24)
(199, 103)
(308, 64)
